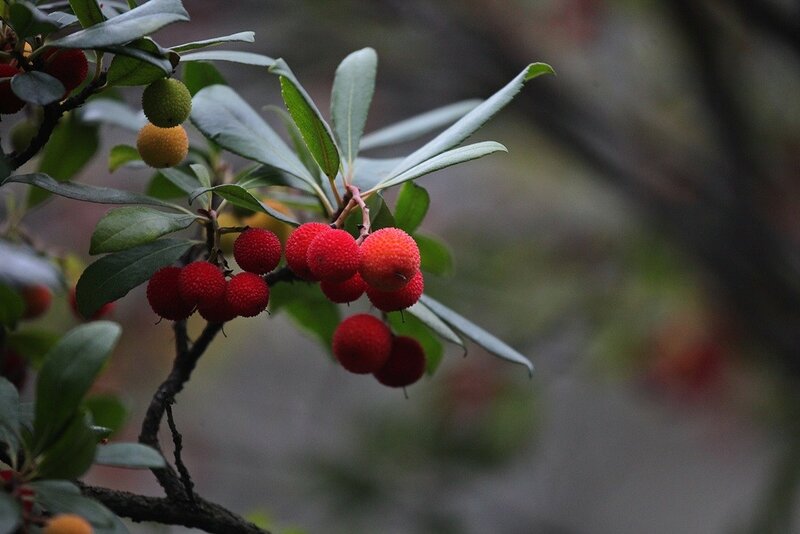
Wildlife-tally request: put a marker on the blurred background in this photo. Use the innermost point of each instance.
(639, 243)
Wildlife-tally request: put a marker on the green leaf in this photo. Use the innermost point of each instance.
(107, 111)
(112, 276)
(130, 455)
(380, 216)
(12, 306)
(411, 207)
(127, 27)
(71, 454)
(200, 74)
(127, 227)
(202, 174)
(37, 88)
(32, 344)
(476, 333)
(443, 160)
(436, 258)
(352, 92)
(315, 131)
(432, 321)
(538, 69)
(68, 371)
(184, 181)
(127, 70)
(70, 148)
(27, 20)
(164, 61)
(160, 187)
(245, 58)
(87, 193)
(416, 127)
(308, 308)
(87, 11)
(61, 496)
(370, 172)
(408, 325)
(470, 122)
(10, 513)
(9, 417)
(239, 196)
(120, 155)
(107, 411)
(298, 144)
(240, 37)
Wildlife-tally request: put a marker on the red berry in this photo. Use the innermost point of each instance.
(14, 368)
(333, 256)
(104, 310)
(406, 296)
(344, 292)
(406, 363)
(389, 259)
(164, 297)
(9, 102)
(37, 300)
(362, 343)
(201, 283)
(257, 250)
(297, 247)
(69, 66)
(218, 312)
(247, 295)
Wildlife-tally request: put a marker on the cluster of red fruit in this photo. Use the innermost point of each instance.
(70, 67)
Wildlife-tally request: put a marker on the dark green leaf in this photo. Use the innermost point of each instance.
(241, 37)
(352, 92)
(298, 144)
(380, 216)
(9, 417)
(10, 513)
(87, 11)
(12, 306)
(120, 155)
(411, 207)
(112, 276)
(108, 412)
(32, 345)
(308, 308)
(107, 111)
(246, 58)
(27, 20)
(37, 88)
(239, 196)
(127, 70)
(164, 61)
(126, 27)
(200, 74)
(160, 187)
(476, 333)
(61, 496)
(436, 258)
(185, 181)
(68, 371)
(127, 227)
(72, 452)
(315, 131)
(409, 325)
(370, 172)
(131, 455)
(201, 173)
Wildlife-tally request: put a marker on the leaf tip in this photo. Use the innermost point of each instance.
(535, 70)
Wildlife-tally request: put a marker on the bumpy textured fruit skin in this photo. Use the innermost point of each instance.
(219, 311)
(201, 283)
(257, 251)
(247, 295)
(69, 66)
(162, 147)
(166, 102)
(333, 256)
(344, 292)
(163, 295)
(104, 310)
(14, 368)
(389, 259)
(262, 220)
(297, 247)
(362, 343)
(37, 300)
(406, 363)
(399, 299)
(9, 102)
(67, 524)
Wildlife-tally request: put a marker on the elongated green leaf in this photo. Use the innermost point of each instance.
(315, 131)
(476, 333)
(411, 207)
(37, 87)
(352, 92)
(12, 306)
(87, 193)
(68, 371)
(129, 70)
(240, 37)
(108, 412)
(202, 174)
(72, 452)
(130, 455)
(432, 321)
(370, 172)
(308, 308)
(233, 56)
(126, 27)
(107, 111)
(112, 276)
(436, 258)
(186, 182)
(239, 196)
(473, 120)
(416, 127)
(121, 155)
(443, 160)
(87, 11)
(32, 344)
(131, 226)
(164, 62)
(10, 513)
(28, 20)
(62, 496)
(9, 417)
(200, 74)
(298, 144)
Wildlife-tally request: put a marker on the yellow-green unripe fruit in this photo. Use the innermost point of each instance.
(166, 102)
(22, 134)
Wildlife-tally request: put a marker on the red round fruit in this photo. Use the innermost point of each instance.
(69, 66)
(406, 363)
(402, 298)
(104, 310)
(361, 343)
(389, 259)
(344, 292)
(9, 102)
(333, 256)
(247, 295)
(37, 300)
(14, 368)
(297, 247)
(164, 297)
(218, 312)
(201, 283)
(257, 250)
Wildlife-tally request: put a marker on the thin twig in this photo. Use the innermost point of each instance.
(177, 440)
